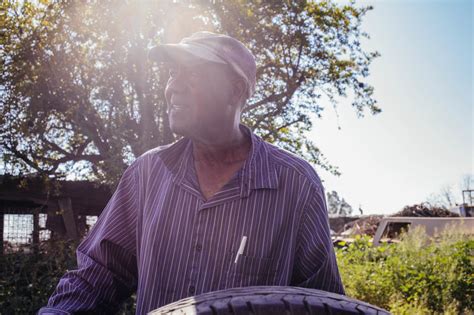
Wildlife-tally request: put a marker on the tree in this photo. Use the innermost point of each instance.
(467, 182)
(80, 97)
(446, 198)
(337, 206)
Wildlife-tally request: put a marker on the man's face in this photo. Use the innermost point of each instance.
(199, 98)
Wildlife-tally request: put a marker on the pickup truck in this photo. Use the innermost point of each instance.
(390, 228)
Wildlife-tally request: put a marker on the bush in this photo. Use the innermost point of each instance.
(412, 277)
(415, 276)
(28, 277)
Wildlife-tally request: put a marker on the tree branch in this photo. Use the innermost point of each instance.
(25, 159)
(270, 99)
(288, 124)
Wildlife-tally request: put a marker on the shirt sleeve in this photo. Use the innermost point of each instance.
(315, 262)
(107, 268)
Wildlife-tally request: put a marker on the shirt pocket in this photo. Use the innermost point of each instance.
(249, 270)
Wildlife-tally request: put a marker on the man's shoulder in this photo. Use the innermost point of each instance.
(290, 162)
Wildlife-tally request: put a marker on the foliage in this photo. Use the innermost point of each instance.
(27, 279)
(80, 97)
(412, 277)
(337, 205)
(415, 276)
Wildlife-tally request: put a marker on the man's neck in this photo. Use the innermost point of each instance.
(221, 151)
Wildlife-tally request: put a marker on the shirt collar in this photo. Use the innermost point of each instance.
(258, 172)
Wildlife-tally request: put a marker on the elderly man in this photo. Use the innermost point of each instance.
(220, 208)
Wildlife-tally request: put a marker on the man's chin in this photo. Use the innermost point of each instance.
(179, 129)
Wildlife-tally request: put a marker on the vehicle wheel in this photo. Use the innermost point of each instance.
(269, 300)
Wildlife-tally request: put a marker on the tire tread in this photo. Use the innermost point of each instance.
(269, 300)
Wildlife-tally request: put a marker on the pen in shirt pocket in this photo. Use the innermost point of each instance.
(241, 248)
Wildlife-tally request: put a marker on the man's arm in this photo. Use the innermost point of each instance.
(315, 262)
(107, 270)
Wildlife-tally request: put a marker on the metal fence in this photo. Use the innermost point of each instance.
(21, 231)
(34, 210)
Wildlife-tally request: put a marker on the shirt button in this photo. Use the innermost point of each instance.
(198, 247)
(192, 289)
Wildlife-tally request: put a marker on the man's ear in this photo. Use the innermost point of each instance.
(239, 88)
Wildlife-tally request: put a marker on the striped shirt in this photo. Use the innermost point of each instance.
(159, 236)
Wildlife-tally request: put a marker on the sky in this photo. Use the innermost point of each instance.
(423, 139)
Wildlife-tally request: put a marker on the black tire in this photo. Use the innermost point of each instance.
(269, 300)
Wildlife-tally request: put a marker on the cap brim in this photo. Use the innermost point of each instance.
(182, 54)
